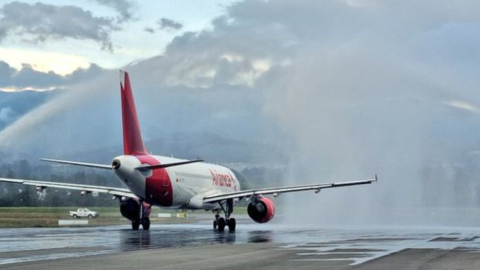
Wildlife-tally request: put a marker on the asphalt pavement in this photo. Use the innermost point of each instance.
(189, 246)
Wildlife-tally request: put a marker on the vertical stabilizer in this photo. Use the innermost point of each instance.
(132, 137)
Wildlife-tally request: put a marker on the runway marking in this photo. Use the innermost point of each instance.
(371, 246)
(53, 257)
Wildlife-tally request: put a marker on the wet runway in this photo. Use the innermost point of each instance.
(311, 248)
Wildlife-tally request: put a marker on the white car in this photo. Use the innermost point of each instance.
(83, 212)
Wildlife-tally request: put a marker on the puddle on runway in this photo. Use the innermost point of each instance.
(354, 246)
(32, 244)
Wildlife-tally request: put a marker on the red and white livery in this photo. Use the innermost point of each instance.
(174, 183)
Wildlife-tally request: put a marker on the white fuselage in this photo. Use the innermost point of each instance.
(175, 187)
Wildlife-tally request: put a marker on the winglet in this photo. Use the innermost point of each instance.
(376, 177)
(132, 137)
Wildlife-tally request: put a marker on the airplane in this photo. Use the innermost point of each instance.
(174, 183)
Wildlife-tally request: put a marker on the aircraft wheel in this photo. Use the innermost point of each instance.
(221, 224)
(135, 225)
(232, 223)
(146, 223)
(215, 224)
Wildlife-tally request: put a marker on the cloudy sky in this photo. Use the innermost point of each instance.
(61, 36)
(346, 88)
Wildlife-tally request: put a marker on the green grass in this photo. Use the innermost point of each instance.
(53, 210)
(17, 217)
(101, 210)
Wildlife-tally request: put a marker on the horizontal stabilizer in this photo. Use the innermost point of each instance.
(161, 166)
(83, 164)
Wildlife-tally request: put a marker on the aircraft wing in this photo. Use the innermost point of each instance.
(277, 190)
(121, 192)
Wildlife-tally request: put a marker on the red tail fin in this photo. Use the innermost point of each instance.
(132, 137)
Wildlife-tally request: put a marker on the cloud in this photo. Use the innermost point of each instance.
(29, 78)
(462, 105)
(169, 24)
(123, 7)
(40, 22)
(60, 63)
(149, 30)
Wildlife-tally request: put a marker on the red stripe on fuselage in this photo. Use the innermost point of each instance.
(158, 187)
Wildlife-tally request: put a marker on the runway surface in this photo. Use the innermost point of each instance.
(257, 246)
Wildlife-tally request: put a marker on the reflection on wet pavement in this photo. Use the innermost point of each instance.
(30, 244)
(354, 246)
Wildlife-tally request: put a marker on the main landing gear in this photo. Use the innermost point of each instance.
(145, 222)
(219, 223)
(143, 218)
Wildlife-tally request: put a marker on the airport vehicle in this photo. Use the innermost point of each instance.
(174, 183)
(83, 212)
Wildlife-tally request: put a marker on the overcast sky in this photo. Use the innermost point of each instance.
(61, 36)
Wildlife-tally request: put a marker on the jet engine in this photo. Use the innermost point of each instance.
(130, 209)
(261, 209)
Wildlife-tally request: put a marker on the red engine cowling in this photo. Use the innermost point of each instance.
(262, 210)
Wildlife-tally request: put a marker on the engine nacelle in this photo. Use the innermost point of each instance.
(130, 209)
(261, 210)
